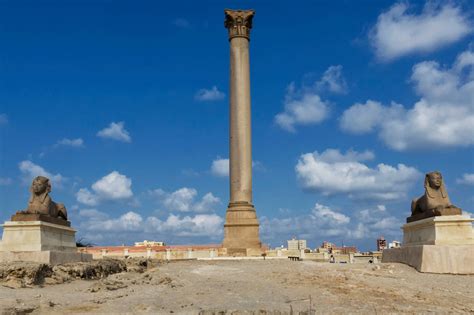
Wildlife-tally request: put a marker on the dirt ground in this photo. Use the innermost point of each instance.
(249, 287)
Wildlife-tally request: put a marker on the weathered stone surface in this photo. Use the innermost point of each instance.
(27, 274)
(37, 236)
(449, 259)
(439, 230)
(440, 244)
(41, 203)
(39, 217)
(45, 257)
(434, 202)
(241, 229)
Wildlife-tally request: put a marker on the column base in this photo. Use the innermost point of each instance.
(241, 230)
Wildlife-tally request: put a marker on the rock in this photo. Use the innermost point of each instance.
(106, 284)
(25, 274)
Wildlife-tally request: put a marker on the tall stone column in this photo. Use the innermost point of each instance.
(241, 227)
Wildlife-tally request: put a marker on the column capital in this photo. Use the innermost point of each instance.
(238, 22)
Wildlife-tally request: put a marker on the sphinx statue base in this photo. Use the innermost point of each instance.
(437, 244)
(21, 216)
(434, 213)
(39, 241)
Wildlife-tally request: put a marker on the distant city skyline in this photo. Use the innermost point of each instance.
(125, 108)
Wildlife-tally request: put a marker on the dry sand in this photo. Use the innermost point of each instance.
(250, 287)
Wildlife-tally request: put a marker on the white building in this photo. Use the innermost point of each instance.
(149, 243)
(295, 244)
(394, 244)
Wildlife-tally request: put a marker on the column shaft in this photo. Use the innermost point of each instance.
(240, 122)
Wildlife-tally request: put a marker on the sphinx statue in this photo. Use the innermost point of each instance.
(41, 203)
(434, 202)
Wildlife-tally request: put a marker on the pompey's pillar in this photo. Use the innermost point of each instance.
(241, 226)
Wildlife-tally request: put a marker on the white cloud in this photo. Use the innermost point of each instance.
(333, 80)
(183, 200)
(115, 131)
(85, 196)
(5, 181)
(209, 95)
(304, 106)
(3, 119)
(326, 215)
(467, 179)
(76, 143)
(207, 225)
(398, 32)
(220, 167)
(346, 175)
(443, 117)
(113, 186)
(30, 170)
(364, 118)
(324, 223)
(130, 221)
(210, 225)
(301, 108)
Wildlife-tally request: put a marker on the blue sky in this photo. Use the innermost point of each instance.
(125, 107)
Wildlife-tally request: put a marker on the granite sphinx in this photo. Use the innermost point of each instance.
(41, 206)
(434, 202)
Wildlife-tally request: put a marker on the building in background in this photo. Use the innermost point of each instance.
(295, 244)
(381, 244)
(149, 243)
(394, 244)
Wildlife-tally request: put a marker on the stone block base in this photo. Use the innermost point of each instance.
(241, 229)
(37, 236)
(46, 257)
(449, 259)
(440, 230)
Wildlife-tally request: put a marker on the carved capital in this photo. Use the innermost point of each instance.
(238, 22)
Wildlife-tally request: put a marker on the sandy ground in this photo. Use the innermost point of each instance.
(251, 287)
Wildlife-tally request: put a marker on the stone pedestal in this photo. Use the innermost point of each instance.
(442, 244)
(39, 241)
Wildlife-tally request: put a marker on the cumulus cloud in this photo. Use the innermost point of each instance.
(304, 106)
(115, 131)
(210, 225)
(466, 179)
(220, 167)
(325, 214)
(324, 223)
(30, 170)
(332, 172)
(3, 119)
(200, 225)
(113, 186)
(183, 200)
(333, 80)
(442, 117)
(301, 108)
(212, 94)
(76, 143)
(398, 32)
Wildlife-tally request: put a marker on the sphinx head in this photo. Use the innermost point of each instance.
(40, 185)
(434, 182)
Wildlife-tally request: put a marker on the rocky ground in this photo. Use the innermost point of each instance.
(230, 287)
